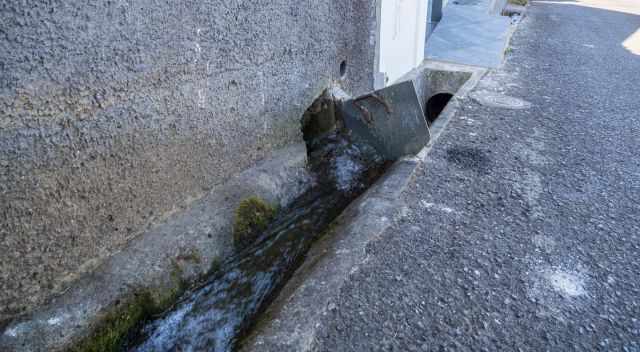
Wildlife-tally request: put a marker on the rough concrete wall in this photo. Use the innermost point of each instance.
(114, 114)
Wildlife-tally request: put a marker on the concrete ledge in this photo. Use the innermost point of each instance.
(433, 77)
(176, 252)
(470, 33)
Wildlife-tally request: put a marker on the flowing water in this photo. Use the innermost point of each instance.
(214, 316)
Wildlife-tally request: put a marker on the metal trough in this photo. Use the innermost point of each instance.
(390, 119)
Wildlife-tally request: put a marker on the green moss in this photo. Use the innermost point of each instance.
(215, 266)
(252, 217)
(518, 2)
(117, 325)
(164, 298)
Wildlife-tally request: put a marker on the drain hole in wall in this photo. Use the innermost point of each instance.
(343, 69)
(435, 105)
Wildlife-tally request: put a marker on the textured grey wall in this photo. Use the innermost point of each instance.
(114, 114)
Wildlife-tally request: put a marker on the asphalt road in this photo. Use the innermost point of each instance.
(522, 228)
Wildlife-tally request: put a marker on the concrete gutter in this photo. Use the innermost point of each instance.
(292, 320)
(184, 248)
(162, 260)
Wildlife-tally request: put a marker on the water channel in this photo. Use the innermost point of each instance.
(216, 315)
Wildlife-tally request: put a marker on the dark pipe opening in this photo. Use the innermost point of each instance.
(435, 105)
(319, 118)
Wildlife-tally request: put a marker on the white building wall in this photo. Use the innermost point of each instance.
(402, 29)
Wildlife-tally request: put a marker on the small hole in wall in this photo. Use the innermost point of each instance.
(343, 69)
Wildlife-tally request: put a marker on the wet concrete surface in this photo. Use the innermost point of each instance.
(523, 224)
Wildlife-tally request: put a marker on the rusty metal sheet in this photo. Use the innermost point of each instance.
(390, 119)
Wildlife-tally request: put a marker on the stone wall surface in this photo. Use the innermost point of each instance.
(116, 114)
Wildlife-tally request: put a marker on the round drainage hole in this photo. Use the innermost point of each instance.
(435, 105)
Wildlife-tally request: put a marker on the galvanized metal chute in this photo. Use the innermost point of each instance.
(390, 119)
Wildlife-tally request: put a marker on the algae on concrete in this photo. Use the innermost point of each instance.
(251, 217)
(118, 324)
(216, 264)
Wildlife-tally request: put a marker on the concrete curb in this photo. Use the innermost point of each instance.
(291, 322)
(180, 250)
